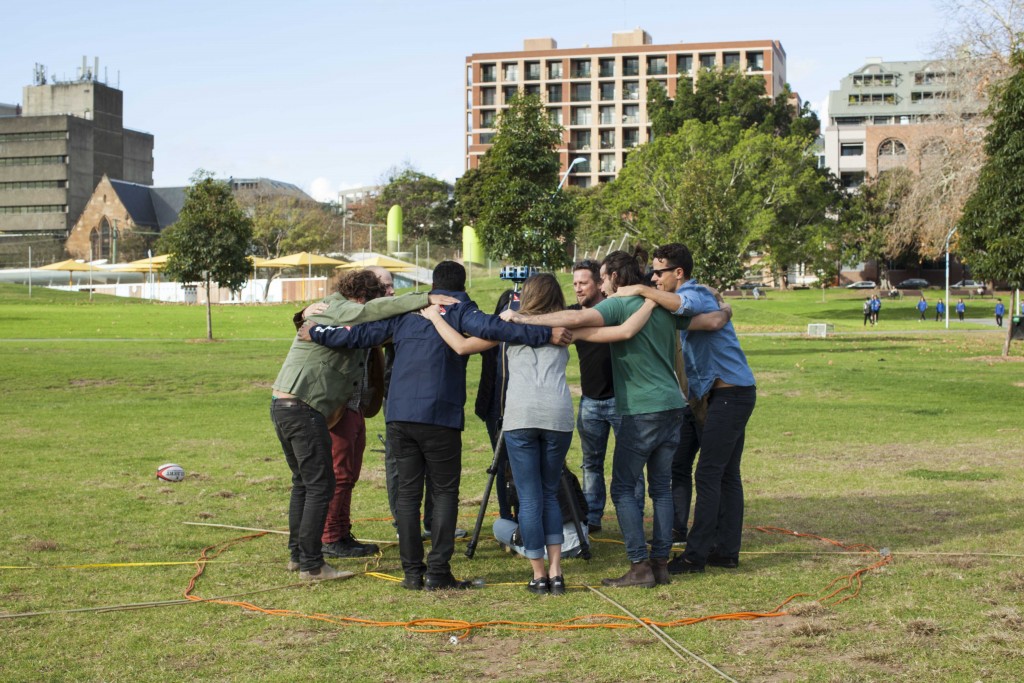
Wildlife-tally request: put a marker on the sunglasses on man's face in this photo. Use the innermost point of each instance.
(661, 271)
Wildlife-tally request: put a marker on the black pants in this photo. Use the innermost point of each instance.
(718, 513)
(421, 449)
(306, 442)
(682, 472)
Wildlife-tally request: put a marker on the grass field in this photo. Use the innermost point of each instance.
(904, 437)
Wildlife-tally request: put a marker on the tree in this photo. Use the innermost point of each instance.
(519, 214)
(868, 217)
(425, 202)
(210, 240)
(992, 225)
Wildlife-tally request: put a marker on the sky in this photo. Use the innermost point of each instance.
(330, 95)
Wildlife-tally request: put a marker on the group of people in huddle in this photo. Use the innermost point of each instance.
(679, 384)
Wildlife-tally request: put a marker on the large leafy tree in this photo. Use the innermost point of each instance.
(210, 241)
(867, 220)
(992, 225)
(519, 215)
(426, 205)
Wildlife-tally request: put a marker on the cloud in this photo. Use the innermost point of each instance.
(320, 189)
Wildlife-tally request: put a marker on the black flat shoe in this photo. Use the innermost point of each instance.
(539, 586)
(557, 585)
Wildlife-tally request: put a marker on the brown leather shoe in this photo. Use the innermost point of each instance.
(660, 570)
(639, 574)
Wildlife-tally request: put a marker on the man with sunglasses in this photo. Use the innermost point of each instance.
(720, 383)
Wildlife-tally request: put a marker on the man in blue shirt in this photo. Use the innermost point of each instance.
(940, 308)
(922, 307)
(424, 414)
(1000, 312)
(720, 379)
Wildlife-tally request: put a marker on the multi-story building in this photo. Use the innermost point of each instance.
(599, 95)
(879, 118)
(57, 148)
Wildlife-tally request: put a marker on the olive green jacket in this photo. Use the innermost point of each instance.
(326, 378)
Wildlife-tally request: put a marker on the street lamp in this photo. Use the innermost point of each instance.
(577, 160)
(948, 237)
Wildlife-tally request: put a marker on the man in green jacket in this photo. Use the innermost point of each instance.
(313, 382)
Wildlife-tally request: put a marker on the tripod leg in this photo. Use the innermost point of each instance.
(567, 490)
(492, 471)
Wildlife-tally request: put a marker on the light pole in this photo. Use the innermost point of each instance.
(565, 176)
(948, 237)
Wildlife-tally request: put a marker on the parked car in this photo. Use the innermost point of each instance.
(969, 284)
(863, 284)
(913, 283)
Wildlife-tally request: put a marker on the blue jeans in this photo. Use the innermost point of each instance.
(537, 457)
(651, 440)
(306, 443)
(718, 512)
(596, 418)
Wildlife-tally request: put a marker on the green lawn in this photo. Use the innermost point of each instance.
(903, 437)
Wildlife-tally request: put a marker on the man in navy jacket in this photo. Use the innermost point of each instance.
(425, 413)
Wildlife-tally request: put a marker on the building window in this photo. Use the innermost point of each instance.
(555, 69)
(486, 138)
(580, 116)
(684, 63)
(606, 67)
(607, 163)
(631, 113)
(607, 91)
(510, 72)
(862, 80)
(707, 60)
(487, 96)
(35, 136)
(579, 140)
(579, 92)
(657, 65)
(630, 137)
(583, 166)
(555, 92)
(755, 61)
(532, 71)
(488, 117)
(488, 73)
(532, 89)
(555, 115)
(608, 139)
(34, 185)
(579, 181)
(892, 148)
(33, 161)
(630, 66)
(607, 115)
(873, 99)
(731, 60)
(933, 77)
(45, 208)
(851, 180)
(508, 92)
(851, 149)
(928, 95)
(579, 68)
(631, 90)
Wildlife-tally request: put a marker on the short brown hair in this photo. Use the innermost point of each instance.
(541, 294)
(360, 284)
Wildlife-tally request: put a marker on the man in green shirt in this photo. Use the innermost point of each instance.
(314, 381)
(648, 399)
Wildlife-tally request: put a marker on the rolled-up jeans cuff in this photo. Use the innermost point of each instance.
(554, 539)
(533, 554)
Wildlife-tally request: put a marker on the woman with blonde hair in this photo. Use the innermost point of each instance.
(539, 421)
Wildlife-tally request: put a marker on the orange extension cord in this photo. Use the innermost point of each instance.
(839, 590)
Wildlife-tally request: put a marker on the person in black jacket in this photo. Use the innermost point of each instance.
(424, 414)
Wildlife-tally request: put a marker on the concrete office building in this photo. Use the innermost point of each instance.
(599, 95)
(66, 137)
(883, 117)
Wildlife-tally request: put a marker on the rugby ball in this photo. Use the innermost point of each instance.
(170, 472)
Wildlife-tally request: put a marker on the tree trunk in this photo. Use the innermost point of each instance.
(209, 317)
(1009, 333)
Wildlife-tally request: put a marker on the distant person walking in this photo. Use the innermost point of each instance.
(876, 306)
(940, 309)
(1000, 312)
(961, 307)
(867, 310)
(922, 306)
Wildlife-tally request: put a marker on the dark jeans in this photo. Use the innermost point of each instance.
(391, 482)
(421, 449)
(718, 513)
(595, 420)
(682, 472)
(306, 442)
(648, 440)
(537, 457)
